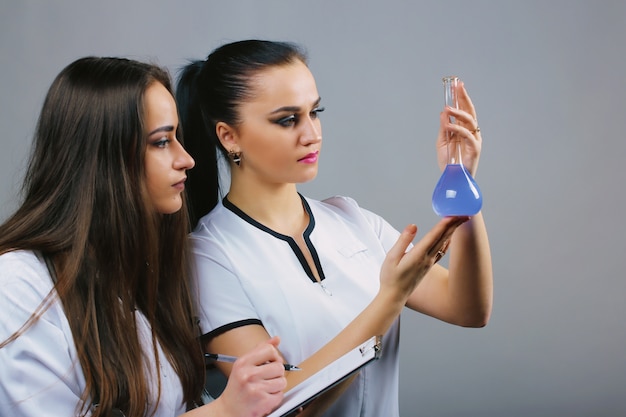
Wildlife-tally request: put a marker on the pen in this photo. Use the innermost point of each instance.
(226, 358)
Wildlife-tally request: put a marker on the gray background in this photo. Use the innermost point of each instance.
(547, 78)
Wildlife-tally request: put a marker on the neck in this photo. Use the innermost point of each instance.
(278, 207)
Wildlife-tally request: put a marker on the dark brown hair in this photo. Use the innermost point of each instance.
(85, 207)
(211, 91)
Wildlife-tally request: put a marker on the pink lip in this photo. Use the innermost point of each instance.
(180, 185)
(310, 158)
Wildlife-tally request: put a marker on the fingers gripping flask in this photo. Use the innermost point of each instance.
(456, 192)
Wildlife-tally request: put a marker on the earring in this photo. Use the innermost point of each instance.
(235, 156)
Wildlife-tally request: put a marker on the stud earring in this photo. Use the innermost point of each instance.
(235, 157)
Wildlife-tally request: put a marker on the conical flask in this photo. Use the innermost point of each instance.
(456, 192)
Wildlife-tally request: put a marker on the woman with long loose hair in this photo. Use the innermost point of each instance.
(96, 316)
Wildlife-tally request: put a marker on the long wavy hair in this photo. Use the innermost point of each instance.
(211, 91)
(86, 208)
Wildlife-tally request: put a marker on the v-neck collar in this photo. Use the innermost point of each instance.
(292, 243)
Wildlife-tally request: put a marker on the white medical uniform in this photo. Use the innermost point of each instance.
(249, 274)
(40, 373)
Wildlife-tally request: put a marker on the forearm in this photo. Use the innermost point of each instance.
(374, 320)
(208, 410)
(215, 408)
(470, 281)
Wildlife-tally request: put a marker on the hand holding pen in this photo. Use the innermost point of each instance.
(231, 359)
(256, 382)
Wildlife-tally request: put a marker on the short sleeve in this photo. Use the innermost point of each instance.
(39, 370)
(221, 301)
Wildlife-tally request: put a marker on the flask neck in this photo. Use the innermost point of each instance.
(450, 84)
(454, 151)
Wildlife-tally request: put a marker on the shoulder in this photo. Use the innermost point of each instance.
(345, 210)
(24, 282)
(24, 267)
(340, 201)
(25, 289)
(345, 207)
(42, 355)
(217, 218)
(219, 228)
(336, 203)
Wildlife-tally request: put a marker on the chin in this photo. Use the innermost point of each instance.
(307, 178)
(169, 207)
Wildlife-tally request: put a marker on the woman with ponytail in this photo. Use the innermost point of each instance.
(324, 275)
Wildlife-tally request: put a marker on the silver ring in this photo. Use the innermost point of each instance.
(476, 130)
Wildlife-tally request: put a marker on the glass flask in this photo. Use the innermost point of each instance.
(456, 192)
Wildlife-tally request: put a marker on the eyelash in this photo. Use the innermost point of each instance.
(162, 143)
(293, 119)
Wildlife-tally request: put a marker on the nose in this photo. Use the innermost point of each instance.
(311, 131)
(182, 160)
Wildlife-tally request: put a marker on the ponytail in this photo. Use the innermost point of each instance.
(200, 142)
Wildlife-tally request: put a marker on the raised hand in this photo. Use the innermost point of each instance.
(402, 271)
(466, 128)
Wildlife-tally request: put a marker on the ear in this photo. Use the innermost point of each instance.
(227, 136)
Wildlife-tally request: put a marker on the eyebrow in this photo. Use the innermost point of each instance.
(293, 108)
(168, 128)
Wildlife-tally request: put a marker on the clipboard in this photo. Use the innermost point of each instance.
(328, 377)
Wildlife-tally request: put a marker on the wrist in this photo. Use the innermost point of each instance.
(216, 408)
(389, 303)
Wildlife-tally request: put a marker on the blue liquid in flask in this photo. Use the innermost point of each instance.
(456, 193)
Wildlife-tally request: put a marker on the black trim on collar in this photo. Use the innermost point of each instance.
(292, 243)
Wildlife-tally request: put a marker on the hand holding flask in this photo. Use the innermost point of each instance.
(456, 192)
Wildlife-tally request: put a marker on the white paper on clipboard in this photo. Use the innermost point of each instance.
(331, 375)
